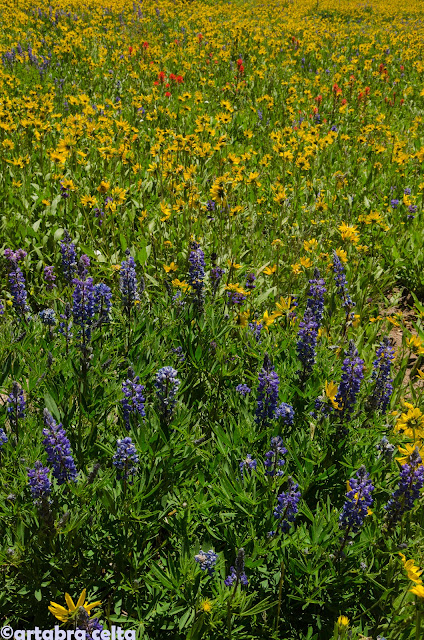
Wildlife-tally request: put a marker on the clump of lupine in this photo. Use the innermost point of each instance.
(167, 384)
(126, 460)
(133, 400)
(58, 448)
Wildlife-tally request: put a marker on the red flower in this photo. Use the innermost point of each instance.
(402, 67)
(130, 50)
(168, 94)
(318, 99)
(402, 101)
(161, 76)
(180, 79)
(145, 45)
(199, 37)
(344, 101)
(367, 91)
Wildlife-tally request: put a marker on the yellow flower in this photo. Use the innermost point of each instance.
(88, 200)
(349, 233)
(407, 450)
(180, 284)
(296, 268)
(343, 621)
(412, 571)
(270, 270)
(171, 267)
(418, 591)
(242, 318)
(285, 304)
(356, 320)
(331, 392)
(206, 605)
(103, 187)
(420, 374)
(64, 615)
(268, 320)
(411, 423)
(342, 255)
(416, 345)
(233, 265)
(305, 262)
(310, 245)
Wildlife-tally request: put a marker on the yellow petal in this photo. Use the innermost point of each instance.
(57, 608)
(70, 602)
(88, 607)
(81, 599)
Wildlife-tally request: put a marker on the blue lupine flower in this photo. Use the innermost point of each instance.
(69, 257)
(383, 387)
(250, 281)
(267, 398)
(349, 387)
(125, 459)
(66, 325)
(256, 329)
(38, 480)
(167, 385)
(358, 501)
(196, 273)
(394, 203)
(216, 276)
(206, 560)
(273, 458)
(247, 464)
(287, 507)
(286, 413)
(385, 448)
(59, 452)
(47, 317)
(102, 301)
(243, 389)
(407, 191)
(83, 264)
(315, 300)
(410, 484)
(307, 342)
(3, 438)
(341, 283)
(16, 404)
(17, 281)
(237, 573)
(133, 400)
(128, 283)
(49, 278)
(83, 307)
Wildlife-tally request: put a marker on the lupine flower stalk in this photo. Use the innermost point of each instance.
(128, 283)
(83, 310)
(273, 458)
(16, 407)
(350, 384)
(133, 400)
(410, 484)
(383, 387)
(248, 464)
(40, 487)
(207, 560)
(59, 452)
(125, 459)
(69, 258)
(197, 273)
(17, 282)
(267, 398)
(167, 384)
(102, 302)
(237, 574)
(358, 503)
(287, 507)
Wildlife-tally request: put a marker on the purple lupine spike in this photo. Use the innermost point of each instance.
(383, 388)
(206, 560)
(286, 413)
(83, 265)
(237, 573)
(248, 464)
(133, 400)
(59, 452)
(39, 483)
(69, 257)
(167, 384)
(358, 501)
(410, 484)
(83, 306)
(196, 272)
(102, 302)
(17, 281)
(243, 389)
(125, 459)
(3, 438)
(307, 342)
(273, 458)
(341, 283)
(47, 317)
(128, 283)
(350, 384)
(49, 278)
(287, 507)
(267, 398)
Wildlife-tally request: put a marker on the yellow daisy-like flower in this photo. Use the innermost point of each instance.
(342, 255)
(412, 571)
(171, 267)
(331, 392)
(243, 318)
(63, 614)
(270, 270)
(407, 450)
(416, 345)
(343, 621)
(206, 605)
(418, 590)
(411, 423)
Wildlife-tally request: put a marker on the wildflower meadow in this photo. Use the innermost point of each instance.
(212, 319)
